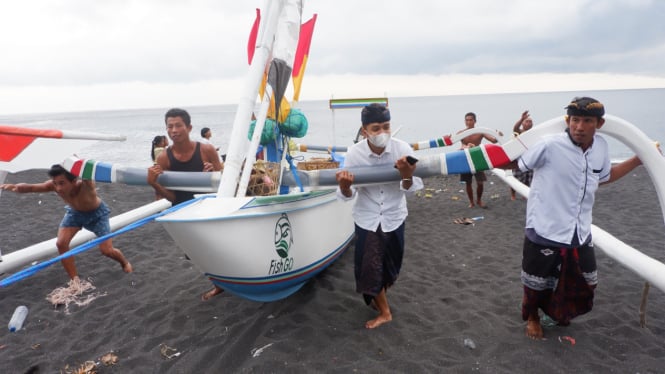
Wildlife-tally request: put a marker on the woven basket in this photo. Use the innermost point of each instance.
(264, 179)
(318, 164)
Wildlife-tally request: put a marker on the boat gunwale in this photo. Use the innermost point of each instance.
(244, 211)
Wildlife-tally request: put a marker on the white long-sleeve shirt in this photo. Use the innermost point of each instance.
(383, 203)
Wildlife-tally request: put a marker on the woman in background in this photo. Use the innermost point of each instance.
(159, 144)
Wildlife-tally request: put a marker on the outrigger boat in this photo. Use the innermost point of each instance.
(265, 248)
(262, 248)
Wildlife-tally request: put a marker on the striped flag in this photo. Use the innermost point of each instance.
(302, 55)
(299, 63)
(356, 103)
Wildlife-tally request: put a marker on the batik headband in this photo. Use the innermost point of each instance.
(585, 106)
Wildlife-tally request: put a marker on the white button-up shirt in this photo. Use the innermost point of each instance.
(565, 180)
(383, 203)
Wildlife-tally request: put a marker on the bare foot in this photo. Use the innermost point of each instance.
(481, 204)
(378, 321)
(210, 293)
(127, 267)
(533, 329)
(512, 197)
(471, 205)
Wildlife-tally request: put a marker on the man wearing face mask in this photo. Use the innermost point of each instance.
(379, 210)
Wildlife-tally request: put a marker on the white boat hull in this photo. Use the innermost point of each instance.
(263, 248)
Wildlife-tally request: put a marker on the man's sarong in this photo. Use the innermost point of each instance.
(560, 281)
(378, 260)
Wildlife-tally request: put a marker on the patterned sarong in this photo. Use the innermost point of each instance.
(560, 281)
(378, 260)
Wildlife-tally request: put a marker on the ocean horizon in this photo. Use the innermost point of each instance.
(414, 118)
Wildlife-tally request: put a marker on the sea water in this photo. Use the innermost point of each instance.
(415, 119)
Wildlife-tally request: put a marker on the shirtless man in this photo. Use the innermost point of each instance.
(183, 155)
(468, 142)
(525, 123)
(84, 210)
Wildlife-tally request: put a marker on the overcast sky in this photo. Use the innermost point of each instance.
(69, 55)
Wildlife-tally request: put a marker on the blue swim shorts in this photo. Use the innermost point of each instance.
(96, 221)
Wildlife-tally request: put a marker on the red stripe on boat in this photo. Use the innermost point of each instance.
(497, 155)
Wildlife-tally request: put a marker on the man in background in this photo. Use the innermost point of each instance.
(468, 142)
(206, 134)
(183, 155)
(525, 123)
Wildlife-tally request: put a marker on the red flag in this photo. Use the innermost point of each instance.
(14, 140)
(12, 146)
(302, 54)
(251, 43)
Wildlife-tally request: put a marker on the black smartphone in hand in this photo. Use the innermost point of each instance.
(411, 160)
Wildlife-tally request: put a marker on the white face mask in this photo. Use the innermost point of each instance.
(381, 140)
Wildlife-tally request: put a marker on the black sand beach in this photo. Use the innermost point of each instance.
(458, 282)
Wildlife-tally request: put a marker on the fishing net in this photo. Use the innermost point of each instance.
(73, 294)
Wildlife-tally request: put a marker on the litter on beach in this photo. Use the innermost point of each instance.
(568, 338)
(168, 352)
(467, 220)
(256, 352)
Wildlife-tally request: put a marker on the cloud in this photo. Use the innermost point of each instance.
(78, 47)
(493, 37)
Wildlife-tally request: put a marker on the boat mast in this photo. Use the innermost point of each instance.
(237, 147)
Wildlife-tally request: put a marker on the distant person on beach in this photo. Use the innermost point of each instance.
(379, 210)
(558, 261)
(468, 142)
(525, 123)
(206, 134)
(85, 209)
(159, 144)
(183, 155)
